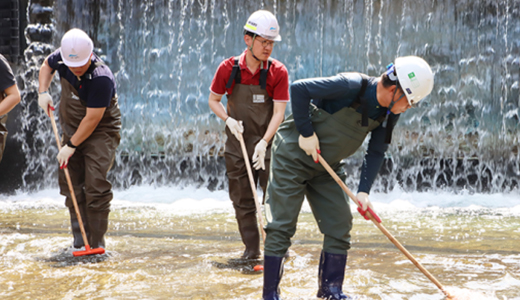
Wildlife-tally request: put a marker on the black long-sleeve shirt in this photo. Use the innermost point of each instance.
(332, 94)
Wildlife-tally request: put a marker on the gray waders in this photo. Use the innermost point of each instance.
(252, 105)
(89, 165)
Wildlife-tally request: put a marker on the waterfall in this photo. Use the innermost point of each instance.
(164, 53)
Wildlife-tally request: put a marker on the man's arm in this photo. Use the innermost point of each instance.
(7, 87)
(9, 102)
(374, 157)
(276, 120)
(87, 125)
(45, 76)
(216, 106)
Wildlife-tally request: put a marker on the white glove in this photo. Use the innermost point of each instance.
(259, 155)
(364, 201)
(64, 155)
(235, 127)
(311, 145)
(45, 102)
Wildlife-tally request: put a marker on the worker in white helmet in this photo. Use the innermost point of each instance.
(9, 98)
(257, 89)
(332, 116)
(90, 119)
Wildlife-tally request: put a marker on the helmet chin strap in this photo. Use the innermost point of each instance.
(392, 105)
(397, 86)
(390, 72)
(393, 102)
(251, 48)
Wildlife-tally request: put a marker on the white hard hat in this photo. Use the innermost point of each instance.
(76, 48)
(264, 24)
(415, 77)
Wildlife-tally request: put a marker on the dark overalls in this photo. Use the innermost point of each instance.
(89, 165)
(252, 105)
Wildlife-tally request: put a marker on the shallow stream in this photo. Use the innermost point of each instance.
(171, 249)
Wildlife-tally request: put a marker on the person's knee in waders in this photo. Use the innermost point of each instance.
(257, 89)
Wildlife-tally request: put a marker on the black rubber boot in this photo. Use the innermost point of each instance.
(331, 275)
(98, 226)
(248, 227)
(273, 270)
(74, 224)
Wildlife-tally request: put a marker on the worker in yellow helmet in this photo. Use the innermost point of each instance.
(257, 89)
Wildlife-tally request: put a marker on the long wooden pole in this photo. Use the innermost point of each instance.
(87, 251)
(253, 186)
(382, 228)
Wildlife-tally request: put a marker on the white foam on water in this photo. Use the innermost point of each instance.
(190, 199)
(469, 294)
(187, 200)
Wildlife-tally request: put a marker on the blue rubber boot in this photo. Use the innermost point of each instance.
(273, 270)
(331, 275)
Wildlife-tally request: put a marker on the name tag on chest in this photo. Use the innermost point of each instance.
(258, 99)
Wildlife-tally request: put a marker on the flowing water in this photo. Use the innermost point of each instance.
(164, 54)
(448, 190)
(171, 243)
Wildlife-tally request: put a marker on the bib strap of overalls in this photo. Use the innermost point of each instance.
(235, 74)
(361, 101)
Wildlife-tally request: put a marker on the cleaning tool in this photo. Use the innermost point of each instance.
(87, 251)
(369, 214)
(253, 186)
(256, 268)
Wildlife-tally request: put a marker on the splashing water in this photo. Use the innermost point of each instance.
(163, 240)
(466, 294)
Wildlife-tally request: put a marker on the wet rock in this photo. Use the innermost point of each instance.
(39, 9)
(39, 33)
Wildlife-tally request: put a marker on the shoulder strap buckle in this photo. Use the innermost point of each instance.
(263, 74)
(235, 73)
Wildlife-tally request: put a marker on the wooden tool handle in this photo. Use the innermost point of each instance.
(381, 227)
(253, 186)
(69, 183)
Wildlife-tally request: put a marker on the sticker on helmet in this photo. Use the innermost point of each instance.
(413, 80)
(250, 26)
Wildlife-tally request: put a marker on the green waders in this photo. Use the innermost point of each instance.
(294, 175)
(252, 105)
(89, 165)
